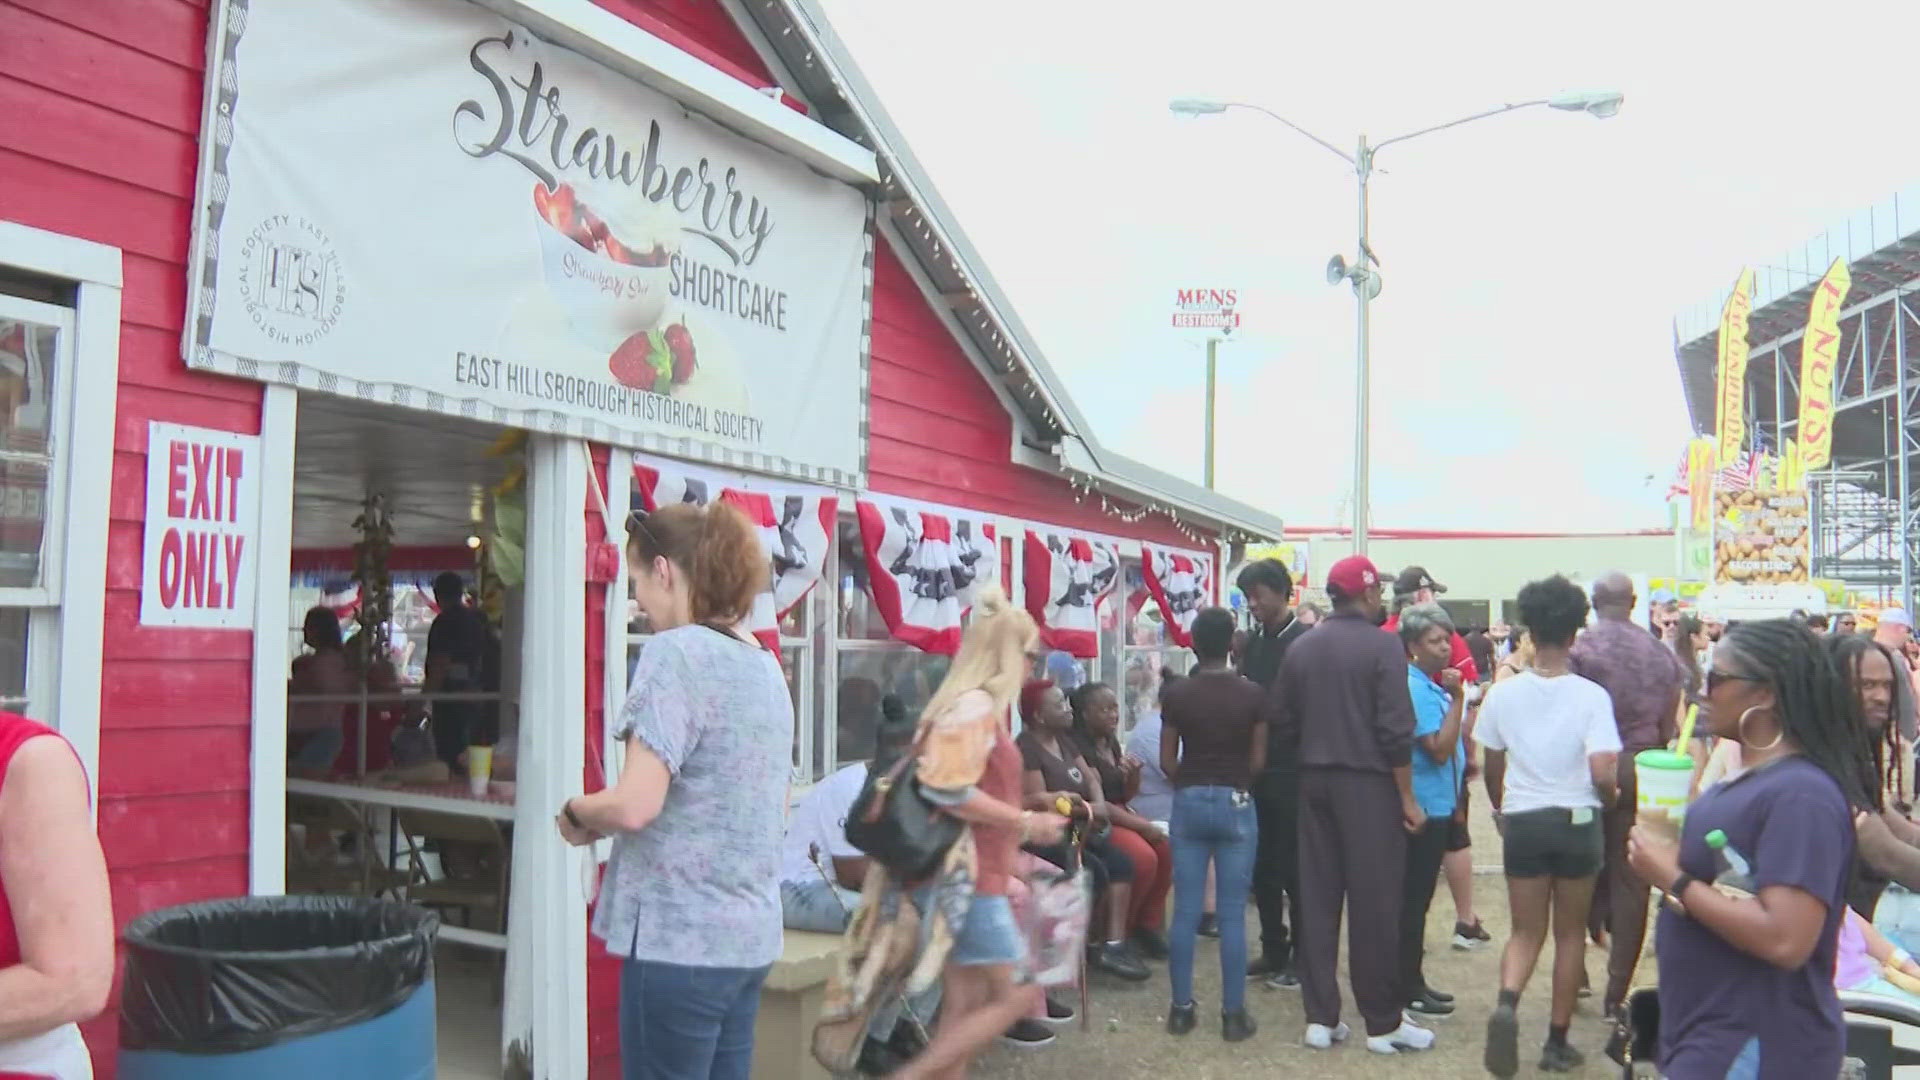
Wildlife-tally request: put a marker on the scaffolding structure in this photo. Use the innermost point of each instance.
(1866, 521)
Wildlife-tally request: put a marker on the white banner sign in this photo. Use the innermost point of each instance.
(199, 561)
(422, 204)
(1206, 309)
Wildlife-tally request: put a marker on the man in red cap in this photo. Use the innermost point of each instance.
(1341, 703)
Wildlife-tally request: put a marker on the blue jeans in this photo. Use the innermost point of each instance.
(687, 1023)
(1212, 825)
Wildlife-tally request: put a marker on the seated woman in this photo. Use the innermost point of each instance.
(1870, 964)
(1096, 725)
(1053, 769)
(314, 735)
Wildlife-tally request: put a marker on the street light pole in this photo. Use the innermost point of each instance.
(1213, 347)
(1365, 281)
(1363, 379)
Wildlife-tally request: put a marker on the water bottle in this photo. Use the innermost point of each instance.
(1734, 871)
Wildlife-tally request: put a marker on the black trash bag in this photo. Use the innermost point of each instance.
(225, 976)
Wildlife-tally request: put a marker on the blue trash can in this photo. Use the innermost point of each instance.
(284, 987)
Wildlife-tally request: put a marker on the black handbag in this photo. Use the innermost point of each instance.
(894, 822)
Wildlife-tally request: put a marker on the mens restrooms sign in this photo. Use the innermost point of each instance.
(416, 202)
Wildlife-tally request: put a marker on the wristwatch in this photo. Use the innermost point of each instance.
(1679, 887)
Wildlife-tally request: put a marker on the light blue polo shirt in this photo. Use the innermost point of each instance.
(1436, 785)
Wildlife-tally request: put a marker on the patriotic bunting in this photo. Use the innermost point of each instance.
(795, 526)
(1181, 584)
(1067, 574)
(924, 568)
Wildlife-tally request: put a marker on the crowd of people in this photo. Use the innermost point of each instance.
(1318, 769)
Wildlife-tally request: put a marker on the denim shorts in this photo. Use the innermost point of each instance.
(989, 935)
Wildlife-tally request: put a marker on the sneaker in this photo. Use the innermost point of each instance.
(1237, 1026)
(1559, 1058)
(1410, 1036)
(1150, 944)
(1027, 1034)
(1322, 1037)
(1284, 979)
(1181, 1019)
(1266, 966)
(1437, 995)
(1210, 925)
(1117, 960)
(1503, 1042)
(1427, 1005)
(1467, 938)
(1059, 1014)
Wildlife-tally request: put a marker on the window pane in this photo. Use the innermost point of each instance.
(13, 659)
(866, 676)
(1142, 694)
(859, 619)
(26, 445)
(793, 661)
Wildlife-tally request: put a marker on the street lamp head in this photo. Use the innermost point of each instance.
(1191, 107)
(1599, 104)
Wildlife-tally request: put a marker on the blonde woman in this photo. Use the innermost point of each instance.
(970, 766)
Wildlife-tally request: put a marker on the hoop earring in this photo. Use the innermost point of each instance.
(1740, 727)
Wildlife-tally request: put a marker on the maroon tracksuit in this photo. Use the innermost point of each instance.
(1341, 698)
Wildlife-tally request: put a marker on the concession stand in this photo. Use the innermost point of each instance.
(335, 297)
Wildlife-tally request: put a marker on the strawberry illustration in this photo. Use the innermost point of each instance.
(618, 252)
(680, 345)
(630, 364)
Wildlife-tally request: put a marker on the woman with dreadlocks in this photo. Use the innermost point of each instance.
(1746, 979)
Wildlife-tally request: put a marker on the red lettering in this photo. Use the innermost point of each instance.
(201, 509)
(170, 568)
(176, 480)
(194, 571)
(212, 569)
(236, 465)
(235, 545)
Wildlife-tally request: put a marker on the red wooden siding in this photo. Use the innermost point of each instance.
(937, 431)
(700, 27)
(99, 104)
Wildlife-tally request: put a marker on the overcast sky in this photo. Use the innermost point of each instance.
(1522, 345)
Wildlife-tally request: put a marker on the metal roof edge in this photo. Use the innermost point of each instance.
(1150, 485)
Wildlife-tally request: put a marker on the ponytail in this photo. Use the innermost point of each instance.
(718, 550)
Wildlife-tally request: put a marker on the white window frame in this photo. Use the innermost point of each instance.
(65, 633)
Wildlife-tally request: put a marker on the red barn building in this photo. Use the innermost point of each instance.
(186, 262)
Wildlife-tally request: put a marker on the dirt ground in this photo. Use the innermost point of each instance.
(1127, 1037)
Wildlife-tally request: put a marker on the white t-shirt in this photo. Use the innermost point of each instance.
(1548, 727)
(821, 819)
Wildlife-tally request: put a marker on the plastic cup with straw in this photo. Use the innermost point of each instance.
(1663, 779)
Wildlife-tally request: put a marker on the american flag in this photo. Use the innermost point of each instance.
(1735, 476)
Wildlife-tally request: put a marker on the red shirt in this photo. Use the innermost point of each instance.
(1461, 660)
(994, 848)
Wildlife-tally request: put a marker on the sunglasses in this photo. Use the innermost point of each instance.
(1715, 677)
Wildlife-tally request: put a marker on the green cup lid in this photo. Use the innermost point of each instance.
(1716, 839)
(1663, 759)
